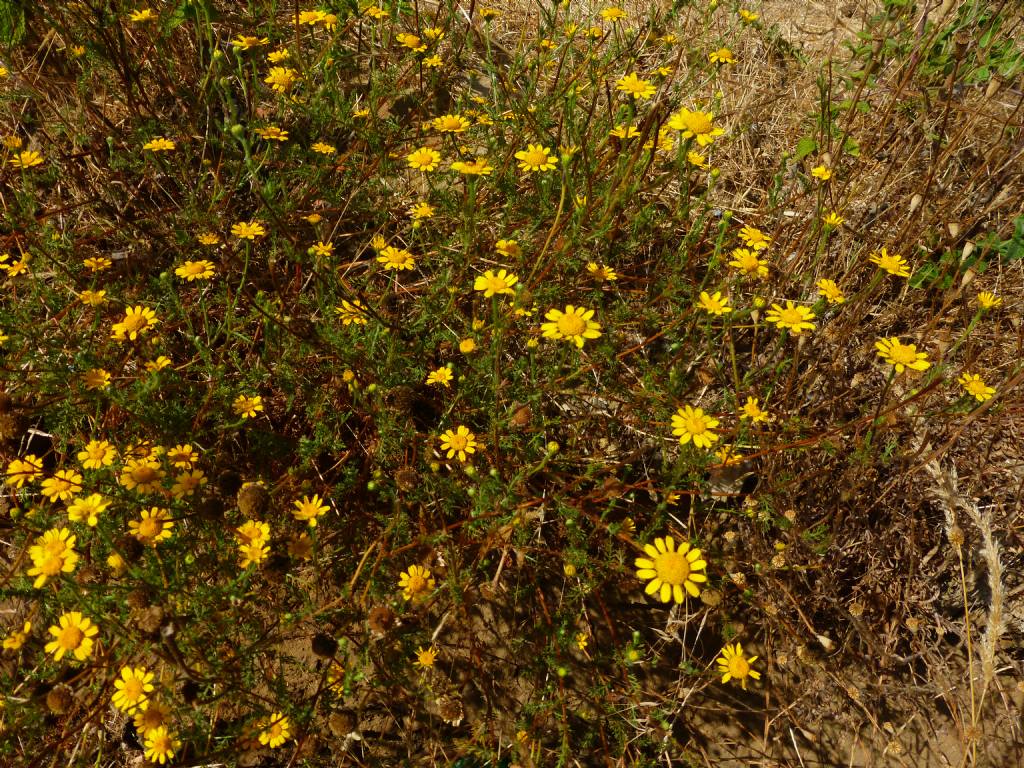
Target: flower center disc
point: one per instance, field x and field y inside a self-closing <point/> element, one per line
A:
<point x="695" y="426"/>
<point x="458" y="442"/>
<point x="698" y="123"/>
<point x="571" y="325"/>
<point x="71" y="637"/>
<point x="673" y="568"/>
<point x="902" y="354"/>
<point x="791" y="316"/>
<point x="738" y="667"/>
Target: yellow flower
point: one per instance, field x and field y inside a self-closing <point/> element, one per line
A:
<point x="672" y="573"/>
<point x="252" y="553"/>
<point x="458" y="442"/>
<point x="17" y="638"/>
<point x="138" y="320"/>
<point x="97" y="454"/>
<point x="161" y="362"/>
<point x="208" y="238"/>
<point x="426" y="657"/>
<point x="27" y="159"/>
<point x="416" y="582"/>
<point x="155" y="714"/>
<point x="97" y="263"/>
<point x="602" y="272"/>
<point x="311" y="18"/>
<point x="624" y="132"/>
<point x="351" y="312"/>
<point x="281" y="79"/>
<point x="421" y="210"/>
<point x="450" y="124"/>
<point x="72" y="634"/>
<point x="508" y="248"/>
<point x="396" y="258"/>
<point x="833" y="219"/>
<point x="133" y="687"/>
<point x="322" y="148"/>
<point x="188" y="482"/>
<point x="796" y="318"/>
<point x="752" y="411"/>
<point x="182" y="456"/>
<point x="424" y="159"/>
<point x="275" y="730"/>
<point x="51" y="555"/>
<point x="821" y="172"/>
<point x="974" y="385"/>
<point x="636" y="86"/>
<point x="492" y="284"/>
<point x="160" y="745"/>
<point x="727" y="454"/>
<point x="574" y="324"/>
<point x="64" y="484"/>
<point x="321" y="249"/>
<point x="582" y="640"/>
<point x="697" y="159"/>
<point x="92" y="298"/>
<point x="248" y="230"/>
<point x="901" y="355"/>
<point x="20" y="471"/>
<point x="466" y="346"/>
<point x="159" y="144"/>
<point x="613" y="14"/>
<point x="442" y="376"/>
<point x="478" y="167"/>
<point x="832" y="292"/>
<point x="245" y="42"/>
<point x="987" y="300"/>
<point x="309" y="509"/>
<point x="722" y="56"/>
<point x="412" y="42"/>
<point x="153" y="526"/>
<point x="894" y="264"/>
<point x="690" y="423"/>
<point x="754" y="238"/>
<point x="749" y="17"/>
<point x="87" y="509"/>
<point x="253" y="532"/>
<point x="96" y="378"/>
<point x="18" y="267"/>
<point x="696" y="125"/>
<point x="247" y="407"/>
<point x="195" y="270"/>
<point x="747" y="262"/>
<point x="536" y="157"/>
<point x="143" y="475"/>
<point x="142" y="14"/>
<point x="714" y="303"/>
<point x="272" y="133"/>
<point x="735" y="666"/>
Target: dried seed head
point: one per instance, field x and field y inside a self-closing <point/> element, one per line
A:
<point x="252" y="499"/>
<point x="324" y="646"/>
<point x="59" y="699"/>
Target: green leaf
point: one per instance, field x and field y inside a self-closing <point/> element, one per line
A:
<point x="12" y="22"/>
<point x="924" y="276"/>
<point x="805" y="146"/>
